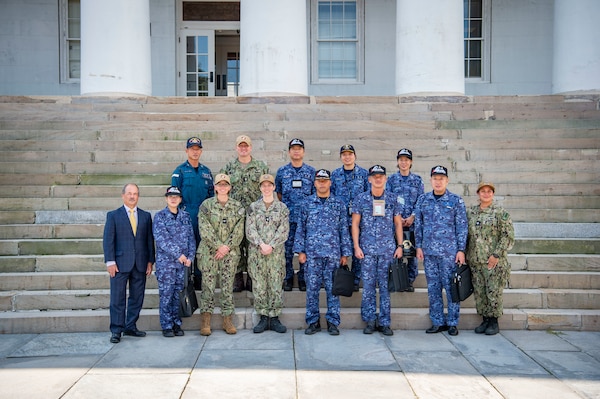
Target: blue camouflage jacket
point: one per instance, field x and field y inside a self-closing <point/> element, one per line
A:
<point x="287" y="177"/>
<point x="322" y="231"/>
<point x="347" y="186"/>
<point x="441" y="225"/>
<point x="408" y="188"/>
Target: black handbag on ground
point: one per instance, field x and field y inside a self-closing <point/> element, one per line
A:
<point x="398" y="276"/>
<point x="461" y="286"/>
<point x="188" y="302"/>
<point x="343" y="281"/>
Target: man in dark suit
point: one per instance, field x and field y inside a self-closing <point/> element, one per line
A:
<point x="129" y="254"/>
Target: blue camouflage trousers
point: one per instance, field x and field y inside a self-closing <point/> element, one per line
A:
<point x="289" y="256"/>
<point x="413" y="269"/>
<point x="319" y="271"/>
<point x="439" y="271"/>
<point x="375" y="272"/>
<point x="170" y="283"/>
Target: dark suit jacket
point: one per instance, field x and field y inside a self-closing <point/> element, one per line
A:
<point x="121" y="246"/>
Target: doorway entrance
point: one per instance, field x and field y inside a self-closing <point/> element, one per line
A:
<point x="208" y="48"/>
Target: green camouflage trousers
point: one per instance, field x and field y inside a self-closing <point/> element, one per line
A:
<point x="488" y="286"/>
<point x="217" y="270"/>
<point x="267" y="274"/>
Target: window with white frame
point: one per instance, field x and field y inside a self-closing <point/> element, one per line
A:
<point x="337" y="41"/>
<point x="70" y="41"/>
<point x="476" y="43"/>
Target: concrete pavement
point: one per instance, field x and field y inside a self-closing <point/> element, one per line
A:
<point x="409" y="364"/>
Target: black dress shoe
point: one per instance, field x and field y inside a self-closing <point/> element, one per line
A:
<point x="436" y="329"/>
<point x="134" y="333"/>
<point x="115" y="338"/>
<point x="386" y="330"/>
<point x="332" y="329"/>
<point x="410" y="288"/>
<point x="287" y="285"/>
<point x="177" y="330"/>
<point x="313" y="328"/>
<point x="453" y="330"/>
<point x="168" y="333"/>
<point x="302" y="285"/>
<point x="370" y="328"/>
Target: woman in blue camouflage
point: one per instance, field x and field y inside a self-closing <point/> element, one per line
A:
<point x="175" y="250"/>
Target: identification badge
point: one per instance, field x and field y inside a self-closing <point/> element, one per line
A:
<point x="378" y="207"/>
<point x="296" y="183"/>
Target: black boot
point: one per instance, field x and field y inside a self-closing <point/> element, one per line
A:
<point x="275" y="325"/>
<point x="492" y="328"/>
<point x="262" y="325"/>
<point x="483" y="326"/>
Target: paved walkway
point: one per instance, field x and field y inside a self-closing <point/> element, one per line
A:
<point x="410" y="364"/>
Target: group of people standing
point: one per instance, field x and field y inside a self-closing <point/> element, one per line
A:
<point x="247" y="222"/>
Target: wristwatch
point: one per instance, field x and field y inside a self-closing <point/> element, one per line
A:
<point x="496" y="256"/>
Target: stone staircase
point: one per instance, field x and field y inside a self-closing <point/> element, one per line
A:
<point x="63" y="161"/>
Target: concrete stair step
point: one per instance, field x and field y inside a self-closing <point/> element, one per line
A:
<point x="371" y="155"/>
<point x="556" y="246"/>
<point x="525" y="114"/>
<point x="92" y="246"/>
<point x="112" y="190"/>
<point x="556" y="262"/>
<point x="245" y="318"/>
<point x="554" y="280"/>
<point x="72" y="299"/>
<point x="547" y="123"/>
<point x="91" y="280"/>
<point x="584" y="263"/>
<point x="556" y="215"/>
<point x="510" y="106"/>
<point x="52" y="263"/>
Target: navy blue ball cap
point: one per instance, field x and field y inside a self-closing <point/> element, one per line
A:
<point x="173" y="190"/>
<point x="192" y="141"/>
<point x="439" y="170"/>
<point x="405" y="152"/>
<point x="323" y="174"/>
<point x="347" y="148"/>
<point x="296" y="142"/>
<point x="376" y="170"/>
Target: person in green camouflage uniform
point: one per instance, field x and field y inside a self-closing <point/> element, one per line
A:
<point x="267" y="229"/>
<point x="244" y="172"/>
<point x="221" y="222"/>
<point x="491" y="236"/>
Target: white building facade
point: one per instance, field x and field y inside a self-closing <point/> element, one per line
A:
<point x="299" y="47"/>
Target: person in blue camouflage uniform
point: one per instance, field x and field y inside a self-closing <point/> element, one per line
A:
<point x="175" y="250"/>
<point x="244" y="172"/>
<point x="409" y="188"/>
<point x="322" y="242"/>
<point x="441" y="240"/>
<point x="195" y="182"/>
<point x="267" y="228"/>
<point x="491" y="236"/>
<point x="376" y="227"/>
<point x="294" y="183"/>
<point x="347" y="182"/>
<point x="221" y="221"/>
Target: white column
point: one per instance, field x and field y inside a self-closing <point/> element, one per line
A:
<point x="115" y="47"/>
<point x="576" y="46"/>
<point x="429" y="47"/>
<point x="273" y="48"/>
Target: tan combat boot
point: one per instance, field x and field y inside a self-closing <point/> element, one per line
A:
<point x="205" y="323"/>
<point x="228" y="325"/>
